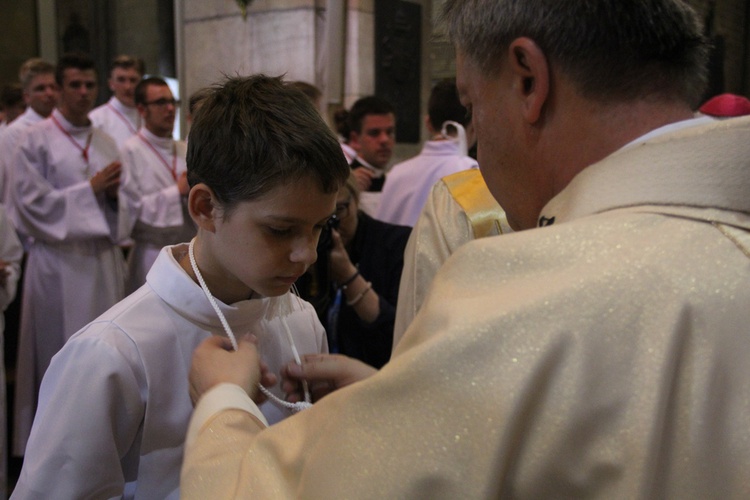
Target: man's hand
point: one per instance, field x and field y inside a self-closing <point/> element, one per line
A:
<point x="214" y="362"/>
<point x="107" y="180"/>
<point x="363" y="177"/>
<point x="324" y="373"/>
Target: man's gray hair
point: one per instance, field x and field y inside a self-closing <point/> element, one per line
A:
<point x="614" y="50"/>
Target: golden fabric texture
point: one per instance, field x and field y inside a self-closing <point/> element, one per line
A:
<point x="460" y="209"/>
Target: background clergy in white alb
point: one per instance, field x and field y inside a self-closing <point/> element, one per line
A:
<point x="64" y="190"/>
<point x="153" y="190"/>
<point x="119" y="116"/>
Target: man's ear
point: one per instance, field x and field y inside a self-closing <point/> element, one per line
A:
<point x="203" y="207"/>
<point x="354" y="140"/>
<point x="141" y="110"/>
<point x="532" y="76"/>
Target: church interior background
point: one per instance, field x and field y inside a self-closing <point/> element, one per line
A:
<point x="348" y="48"/>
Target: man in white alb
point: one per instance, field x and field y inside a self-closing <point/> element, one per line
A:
<point x="154" y="187"/>
<point x="119" y="117"/>
<point x="64" y="192"/>
<point x="372" y="133"/>
<point x="40" y="92"/>
<point x="410" y="181"/>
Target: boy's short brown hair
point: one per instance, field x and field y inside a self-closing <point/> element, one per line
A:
<point x="255" y="133"/>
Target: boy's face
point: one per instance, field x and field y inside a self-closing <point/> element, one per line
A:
<point x="79" y="89"/>
<point x="42" y="93"/>
<point x="265" y="244"/>
<point x="122" y="83"/>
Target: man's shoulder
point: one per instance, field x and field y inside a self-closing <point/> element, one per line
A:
<point x="99" y="111"/>
<point x="612" y="241"/>
<point x="132" y="143"/>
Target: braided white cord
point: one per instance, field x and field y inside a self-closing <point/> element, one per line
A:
<point x="295" y="407"/>
<point x="305" y="387"/>
<point x="210" y="297"/>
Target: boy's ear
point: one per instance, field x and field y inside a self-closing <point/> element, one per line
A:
<point x="202" y="206"/>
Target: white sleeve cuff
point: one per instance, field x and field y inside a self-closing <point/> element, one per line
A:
<point x="221" y="397"/>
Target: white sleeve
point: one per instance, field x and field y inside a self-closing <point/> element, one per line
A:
<point x="47" y="213"/>
<point x="89" y="416"/>
<point x="11" y="252"/>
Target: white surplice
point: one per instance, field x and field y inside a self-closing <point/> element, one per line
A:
<point x="603" y="356"/>
<point x="152" y="211"/>
<point x="120" y="122"/>
<point x="9" y="141"/>
<point x="11" y="253"/>
<point x="409" y="182"/>
<point x="114" y="405"/>
<point x="74" y="270"/>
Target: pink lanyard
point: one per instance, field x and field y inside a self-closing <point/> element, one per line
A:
<point x="122" y="117"/>
<point x="84" y="151"/>
<point x="173" y="168"/>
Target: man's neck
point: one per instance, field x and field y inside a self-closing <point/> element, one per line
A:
<point x="367" y="164"/>
<point x="75" y="119"/>
<point x="43" y="115"/>
<point x="118" y="102"/>
<point x="592" y="136"/>
<point x="162" y="134"/>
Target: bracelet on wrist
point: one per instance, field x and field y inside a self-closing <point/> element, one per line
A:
<point x="360" y="296"/>
<point x="349" y="280"/>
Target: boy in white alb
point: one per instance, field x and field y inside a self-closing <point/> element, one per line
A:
<point x="154" y="187"/>
<point x="114" y="407"/>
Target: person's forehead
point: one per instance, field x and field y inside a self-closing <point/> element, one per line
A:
<point x="71" y="74"/>
<point x="378" y="121"/>
<point x="42" y="79"/>
<point x="158" y="90"/>
<point x="125" y="72"/>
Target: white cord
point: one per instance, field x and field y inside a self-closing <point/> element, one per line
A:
<point x="459" y="137"/>
<point x="295" y="407"/>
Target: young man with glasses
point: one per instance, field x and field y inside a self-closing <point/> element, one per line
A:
<point x="154" y="188"/>
<point x="119" y="116"/>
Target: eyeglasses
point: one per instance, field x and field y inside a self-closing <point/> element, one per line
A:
<point x="163" y="102"/>
<point x="342" y="209"/>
